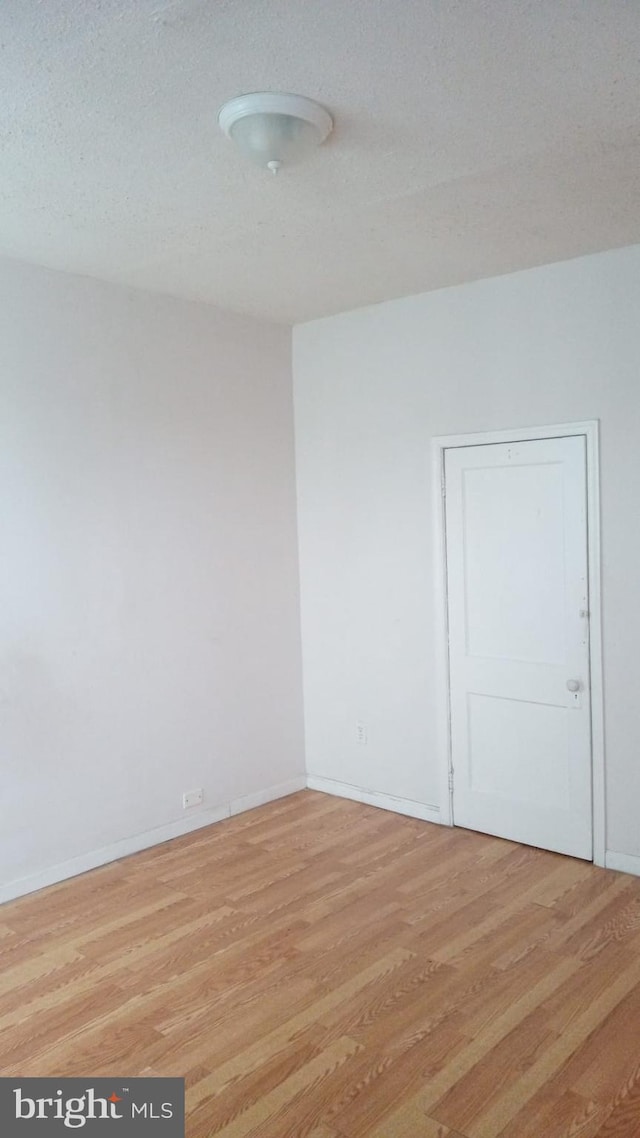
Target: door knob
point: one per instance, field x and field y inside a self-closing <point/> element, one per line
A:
<point x="573" y="685"/>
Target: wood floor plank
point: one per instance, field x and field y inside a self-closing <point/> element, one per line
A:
<point x="385" y="1072"/>
<point x="105" y="1048"/>
<point x="494" y="1120"/>
<point x="624" y="1117"/>
<point x="475" y="1092"/>
<point x="416" y="1124"/>
<point x="562" y="1115"/>
<point x="210" y="1042"/>
<point x="510" y="1017"/>
<point x="588" y="982"/>
<point x="317" y="968"/>
<point x="248" y="1090"/>
<point x="272" y="1108"/>
<point x="273" y="1040"/>
<point x="605" y="1060"/>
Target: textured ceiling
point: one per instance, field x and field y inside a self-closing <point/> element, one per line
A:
<point x="472" y="137"/>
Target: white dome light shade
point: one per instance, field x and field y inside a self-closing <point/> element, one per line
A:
<point x="275" y="130"/>
<point x="281" y="139"/>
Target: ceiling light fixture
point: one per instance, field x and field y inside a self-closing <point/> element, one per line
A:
<point x="275" y="129"/>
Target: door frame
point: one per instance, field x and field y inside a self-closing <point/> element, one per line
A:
<point x="439" y="445"/>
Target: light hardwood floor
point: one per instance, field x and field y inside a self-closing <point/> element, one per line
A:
<point x="318" y="967"/>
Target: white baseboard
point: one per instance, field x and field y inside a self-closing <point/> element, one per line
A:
<point x="116" y="850"/>
<point x="261" y="797"/>
<point x="407" y="806"/>
<point x="626" y="863"/>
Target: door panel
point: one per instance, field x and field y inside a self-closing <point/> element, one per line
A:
<point x="516" y="539"/>
<point x="513" y="526"/>
<point x="506" y="771"/>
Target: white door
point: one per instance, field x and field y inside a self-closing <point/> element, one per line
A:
<point x="517" y="595"/>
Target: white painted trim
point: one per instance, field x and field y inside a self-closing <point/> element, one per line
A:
<point x="126" y="846"/>
<point x="441" y="642"/>
<point x="592" y="434"/>
<point x="406" y="806"/>
<point x="516" y="435"/>
<point x="261" y="797"/>
<point x="590" y="430"/>
<point x="624" y="863"/>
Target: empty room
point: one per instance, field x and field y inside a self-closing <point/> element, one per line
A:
<point x="320" y="545"/>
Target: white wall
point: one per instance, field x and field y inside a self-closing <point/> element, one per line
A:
<point x="551" y="345"/>
<point x="149" y="625"/>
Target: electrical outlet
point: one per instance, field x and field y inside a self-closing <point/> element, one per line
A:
<point x="361" y="732"/>
<point x="192" y="798"/>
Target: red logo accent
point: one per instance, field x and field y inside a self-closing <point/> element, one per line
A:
<point x="114" y="1098"/>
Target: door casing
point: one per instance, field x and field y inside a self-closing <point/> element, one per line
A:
<point x="590" y="430"/>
